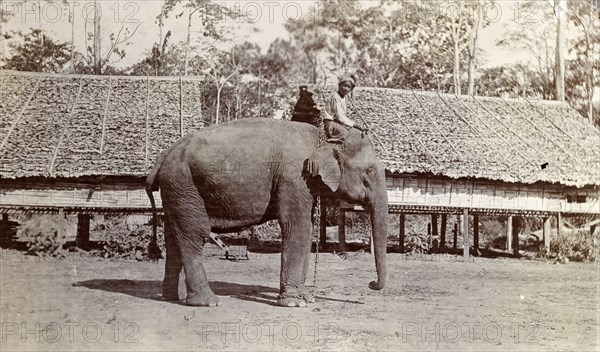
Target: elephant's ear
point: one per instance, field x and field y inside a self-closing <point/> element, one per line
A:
<point x="325" y="163"/>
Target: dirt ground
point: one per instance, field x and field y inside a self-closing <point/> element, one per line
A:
<point x="431" y="302"/>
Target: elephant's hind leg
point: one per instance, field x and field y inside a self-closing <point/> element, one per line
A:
<point x="173" y="264"/>
<point x="191" y="226"/>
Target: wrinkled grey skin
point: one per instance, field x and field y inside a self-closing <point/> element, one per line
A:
<point x="228" y="177"/>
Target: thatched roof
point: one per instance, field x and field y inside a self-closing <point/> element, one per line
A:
<point x="72" y="126"/>
<point x="484" y="138"/>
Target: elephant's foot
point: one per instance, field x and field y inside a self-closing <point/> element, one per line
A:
<point x="170" y="296"/>
<point x="295" y="297"/>
<point x="202" y="300"/>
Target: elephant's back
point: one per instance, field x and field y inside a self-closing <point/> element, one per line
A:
<point x="261" y="131"/>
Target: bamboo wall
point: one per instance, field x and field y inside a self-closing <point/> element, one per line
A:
<point x="492" y="195"/>
<point x="401" y="191"/>
<point x="77" y="195"/>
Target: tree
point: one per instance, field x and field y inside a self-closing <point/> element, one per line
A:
<point x="510" y="81"/>
<point x="210" y="13"/>
<point x="37" y="53"/>
<point x="95" y="61"/>
<point x="535" y="36"/>
<point x="560" y="10"/>
<point x="584" y="15"/>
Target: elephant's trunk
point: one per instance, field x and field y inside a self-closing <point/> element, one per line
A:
<point x="379" y="226"/>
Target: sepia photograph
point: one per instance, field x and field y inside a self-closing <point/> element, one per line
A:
<point x="305" y="175"/>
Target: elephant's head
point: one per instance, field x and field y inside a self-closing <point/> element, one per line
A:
<point x="353" y="172"/>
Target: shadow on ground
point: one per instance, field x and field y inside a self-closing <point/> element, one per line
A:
<point x="152" y="290"/>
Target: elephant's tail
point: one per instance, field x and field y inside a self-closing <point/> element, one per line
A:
<point x="154" y="251"/>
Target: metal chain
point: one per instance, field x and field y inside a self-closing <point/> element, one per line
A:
<point x="317" y="212"/>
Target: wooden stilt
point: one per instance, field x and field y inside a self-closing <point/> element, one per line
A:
<point x="323" y="225"/>
<point x="476" y="232"/>
<point x="509" y="230"/>
<point x="515" y="241"/>
<point x="401" y="234"/>
<point x="443" y="231"/>
<point x="455" y="235"/>
<point x="546" y="234"/>
<point x="341" y="220"/>
<point x="434" y="225"/>
<point x="559" y="224"/>
<point x="83" y="230"/>
<point x="466" y="241"/>
<point x="429" y="235"/>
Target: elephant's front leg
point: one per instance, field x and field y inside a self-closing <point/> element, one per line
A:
<point x="296" y="230"/>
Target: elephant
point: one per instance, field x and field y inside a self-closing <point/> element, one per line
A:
<point x="228" y="177"/>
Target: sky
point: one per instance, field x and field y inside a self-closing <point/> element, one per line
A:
<point x="268" y="16"/>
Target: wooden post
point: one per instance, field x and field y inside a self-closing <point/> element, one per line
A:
<point x="83" y="230"/>
<point x="559" y="224"/>
<point x="455" y="235"/>
<point x="476" y="232"/>
<point x="443" y="231"/>
<point x="4" y="217"/>
<point x="466" y="242"/>
<point x="147" y="122"/>
<point x="429" y="235"/>
<point x="509" y="231"/>
<point x="341" y="220"/>
<point x="515" y="241"/>
<point x="434" y="225"/>
<point x="401" y="234"/>
<point x="323" y="227"/>
<point x="546" y="234"/>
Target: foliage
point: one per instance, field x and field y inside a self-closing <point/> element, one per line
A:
<point x="37" y="53"/>
<point x="417" y="242"/>
<point x="577" y="246"/>
<point x="123" y="242"/>
<point x="490" y="229"/>
<point x="46" y="235"/>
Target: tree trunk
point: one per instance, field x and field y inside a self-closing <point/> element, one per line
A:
<point x="187" y="44"/>
<point x="590" y="78"/>
<point x="97" y="41"/>
<point x="72" y="16"/>
<point x="218" y="104"/>
<point x="456" y="72"/>
<point x="1" y="31"/>
<point x="560" y="49"/>
<point x="473" y="48"/>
